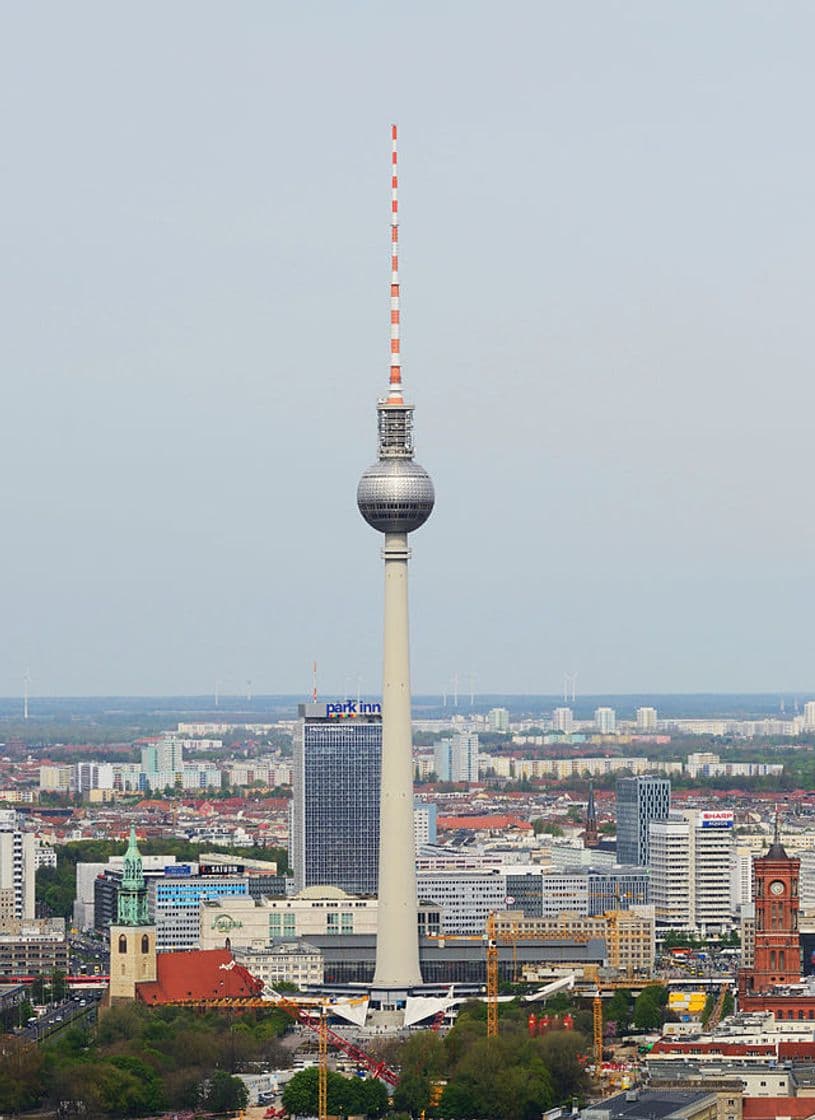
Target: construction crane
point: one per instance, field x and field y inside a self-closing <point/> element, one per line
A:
<point x="514" y="935"/>
<point x="322" y="1068"/>
<point x="492" y="978"/>
<point x="718" y="1007"/>
<point x="597" y="1023"/>
<point x="303" y="1016"/>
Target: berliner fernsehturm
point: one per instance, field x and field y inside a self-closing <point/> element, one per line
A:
<point x="395" y="496"/>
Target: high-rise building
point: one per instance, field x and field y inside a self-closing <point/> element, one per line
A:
<point x="690" y="857"/>
<point x="646" y="719"/>
<point x="741" y="879"/>
<point x="424" y="821"/>
<point x="18" y="868"/>
<point x="605" y="720"/>
<point x="640" y="800"/>
<point x="456" y="759"/>
<point x="563" y="720"/>
<point x="164" y="757"/>
<point x="498" y="720"/>
<point x="395" y="496"/>
<point x="809" y="716"/>
<point x="335" y="797"/>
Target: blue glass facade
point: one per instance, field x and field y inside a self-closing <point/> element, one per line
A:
<point x="335" y="809"/>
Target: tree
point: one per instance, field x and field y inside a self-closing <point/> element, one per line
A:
<point x="648" y="1008"/>
<point x="225" y="1093"/>
<point x="618" y="1010"/>
<point x="21" y="1065"/>
<point x="412" y="1094"/>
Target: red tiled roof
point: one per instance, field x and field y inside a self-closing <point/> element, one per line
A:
<point x="773" y="1108"/>
<point x="200" y="974"/>
<point x="477" y="824"/>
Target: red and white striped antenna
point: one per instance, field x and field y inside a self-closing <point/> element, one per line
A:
<point x="395" y="387"/>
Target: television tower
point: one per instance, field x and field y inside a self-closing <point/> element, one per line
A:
<point x="395" y="496"/>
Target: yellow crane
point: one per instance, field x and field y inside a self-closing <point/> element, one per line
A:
<point x="492" y="978"/>
<point x="597" y="1022"/>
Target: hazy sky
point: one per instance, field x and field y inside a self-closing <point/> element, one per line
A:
<point x="608" y="251"/>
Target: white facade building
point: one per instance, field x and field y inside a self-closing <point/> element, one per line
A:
<point x="809" y="716"/>
<point x="646" y="719"/>
<point x="806" y="880"/>
<point x="690" y="862"/>
<point x="563" y="720"/>
<point x="498" y="720"/>
<point x="605" y="720"/>
<point x="18" y="867"/>
<point x="741" y="879"/>
<point x="456" y="759"/>
<point x="465" y="898"/>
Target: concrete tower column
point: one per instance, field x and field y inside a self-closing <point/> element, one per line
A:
<point x="397" y="958"/>
<point x="395" y="496"/>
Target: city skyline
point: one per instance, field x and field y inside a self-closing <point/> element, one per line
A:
<point x="607" y="251"/>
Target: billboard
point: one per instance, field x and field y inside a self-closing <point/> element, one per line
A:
<point x="717" y="818"/>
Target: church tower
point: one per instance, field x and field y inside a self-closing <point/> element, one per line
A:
<point x="132" y="938"/>
<point x="591" y="835"/>
<point x="777" y="955"/>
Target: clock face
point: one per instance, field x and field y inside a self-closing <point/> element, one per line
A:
<point x="777" y="887"/>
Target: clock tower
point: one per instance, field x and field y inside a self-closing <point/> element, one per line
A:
<point x="777" y="957"/>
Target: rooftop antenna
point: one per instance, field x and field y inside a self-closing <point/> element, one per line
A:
<point x="395" y="380"/>
<point x="26" y="683"/>
<point x="314" y="682"/>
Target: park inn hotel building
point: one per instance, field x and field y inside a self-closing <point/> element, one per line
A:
<point x="334" y="824"/>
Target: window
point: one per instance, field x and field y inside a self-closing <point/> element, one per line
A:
<point x="122" y="943"/>
<point x="145" y="943"/>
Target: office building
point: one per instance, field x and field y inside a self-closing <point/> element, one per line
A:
<point x="287" y="962"/>
<point x="629" y="934"/>
<point x="335" y="798"/>
<point x="465" y="898"/>
<point x="498" y="720"/>
<point x="33" y="947"/>
<point x="690" y="862"/>
<point x="605" y="721"/>
<point x="315" y="913"/>
<point x="456" y="759"/>
<point x="640" y="801"/>
<point x="646" y="720"/>
<point x="174" y="902"/>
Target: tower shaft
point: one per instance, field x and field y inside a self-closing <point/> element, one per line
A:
<point x="397" y="942"/>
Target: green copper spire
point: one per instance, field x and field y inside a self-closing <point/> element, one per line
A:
<point x="132" y="908"/>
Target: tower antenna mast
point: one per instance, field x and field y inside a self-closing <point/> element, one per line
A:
<point x="395" y="496"/>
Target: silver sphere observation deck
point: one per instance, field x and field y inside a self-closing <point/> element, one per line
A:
<point x="395" y="495"/>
